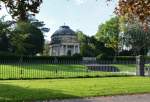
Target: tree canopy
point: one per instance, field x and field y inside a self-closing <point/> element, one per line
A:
<point x="108" y="33"/>
<point x="134" y="9"/>
<point x="4" y="33"/>
<point x="19" y="9"/>
<point x="91" y="47"/>
<point x="136" y="39"/>
<point x="27" y="39"/>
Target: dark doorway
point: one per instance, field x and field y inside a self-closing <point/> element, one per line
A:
<point x="69" y="53"/>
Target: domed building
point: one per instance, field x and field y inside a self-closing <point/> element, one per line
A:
<point x="64" y="42"/>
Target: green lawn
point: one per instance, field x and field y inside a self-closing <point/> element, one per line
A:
<point x="126" y="67"/>
<point x="12" y="71"/>
<point x="30" y="90"/>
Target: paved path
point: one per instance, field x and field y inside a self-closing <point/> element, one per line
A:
<point x="127" y="98"/>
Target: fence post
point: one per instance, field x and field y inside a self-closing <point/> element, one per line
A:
<point x="140" y="61"/>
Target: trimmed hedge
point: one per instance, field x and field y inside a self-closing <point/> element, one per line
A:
<point x="122" y="58"/>
<point x="118" y="58"/>
<point x="62" y="59"/>
<point x="39" y="59"/>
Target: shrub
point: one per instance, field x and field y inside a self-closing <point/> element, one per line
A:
<point x="39" y="59"/>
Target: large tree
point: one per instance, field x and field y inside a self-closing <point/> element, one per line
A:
<point x="138" y="9"/>
<point x="86" y="49"/>
<point x="4" y="33"/>
<point x="27" y="39"/>
<point x="134" y="9"/>
<point x="20" y="9"/>
<point x="108" y="33"/>
<point x="91" y="47"/>
<point x="136" y="39"/>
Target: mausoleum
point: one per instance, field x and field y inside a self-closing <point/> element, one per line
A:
<point x="64" y="42"/>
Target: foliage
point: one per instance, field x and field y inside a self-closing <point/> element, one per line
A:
<point x="17" y="40"/>
<point x="77" y="55"/>
<point x="15" y="58"/>
<point x="4" y="33"/>
<point x="126" y="53"/>
<point x="22" y="38"/>
<point x="134" y="9"/>
<point x="27" y="39"/>
<point x="19" y="9"/>
<point x="46" y="49"/>
<point x="91" y="47"/>
<point x="137" y="39"/>
<point x="38" y="24"/>
<point x="108" y="33"/>
<point x="85" y="48"/>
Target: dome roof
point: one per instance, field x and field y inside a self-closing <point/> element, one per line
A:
<point x="64" y="30"/>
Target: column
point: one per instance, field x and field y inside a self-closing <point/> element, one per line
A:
<point x="140" y="65"/>
<point x="78" y="48"/>
<point x="50" y="52"/>
<point x="62" y="50"/>
<point x="66" y="49"/>
<point x="74" y="46"/>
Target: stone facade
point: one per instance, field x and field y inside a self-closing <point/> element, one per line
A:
<point x="64" y="42"/>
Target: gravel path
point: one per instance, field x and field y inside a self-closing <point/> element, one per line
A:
<point x="127" y="98"/>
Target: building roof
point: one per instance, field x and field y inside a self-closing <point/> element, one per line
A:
<point x="63" y="30"/>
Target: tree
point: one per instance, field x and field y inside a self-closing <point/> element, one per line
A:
<point x="46" y="48"/>
<point x="136" y="39"/>
<point x="40" y="28"/>
<point x="86" y="49"/>
<point x="4" y="31"/>
<point x="38" y="24"/>
<point x="35" y="41"/>
<point x="134" y="9"/>
<point x="27" y="39"/>
<point x="20" y="9"/>
<point x="91" y="47"/>
<point x="108" y="33"/>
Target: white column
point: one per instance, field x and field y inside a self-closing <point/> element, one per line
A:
<point x="74" y="46"/>
<point x="66" y="50"/>
<point x="61" y="49"/>
<point x="50" y="52"/>
<point x="78" y="48"/>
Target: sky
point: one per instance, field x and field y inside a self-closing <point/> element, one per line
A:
<point x="84" y="15"/>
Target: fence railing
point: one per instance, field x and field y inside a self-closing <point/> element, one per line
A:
<point x="64" y="69"/>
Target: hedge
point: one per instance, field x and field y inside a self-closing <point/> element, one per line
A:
<point x="39" y="59"/>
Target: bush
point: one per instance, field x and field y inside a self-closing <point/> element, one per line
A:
<point x="104" y="56"/>
<point x="39" y="59"/>
<point x="77" y="55"/>
<point x="126" y="53"/>
<point x="126" y="58"/>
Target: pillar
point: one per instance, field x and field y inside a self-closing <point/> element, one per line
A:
<point x="140" y="65"/>
<point x="74" y="46"/>
<point x="66" y="50"/>
<point x="78" y="49"/>
<point x="62" y="50"/>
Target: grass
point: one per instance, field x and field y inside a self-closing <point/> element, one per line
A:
<point x="25" y="71"/>
<point x="32" y="90"/>
<point x="126" y="67"/>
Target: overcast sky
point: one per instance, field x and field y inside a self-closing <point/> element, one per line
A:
<point x="84" y="15"/>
